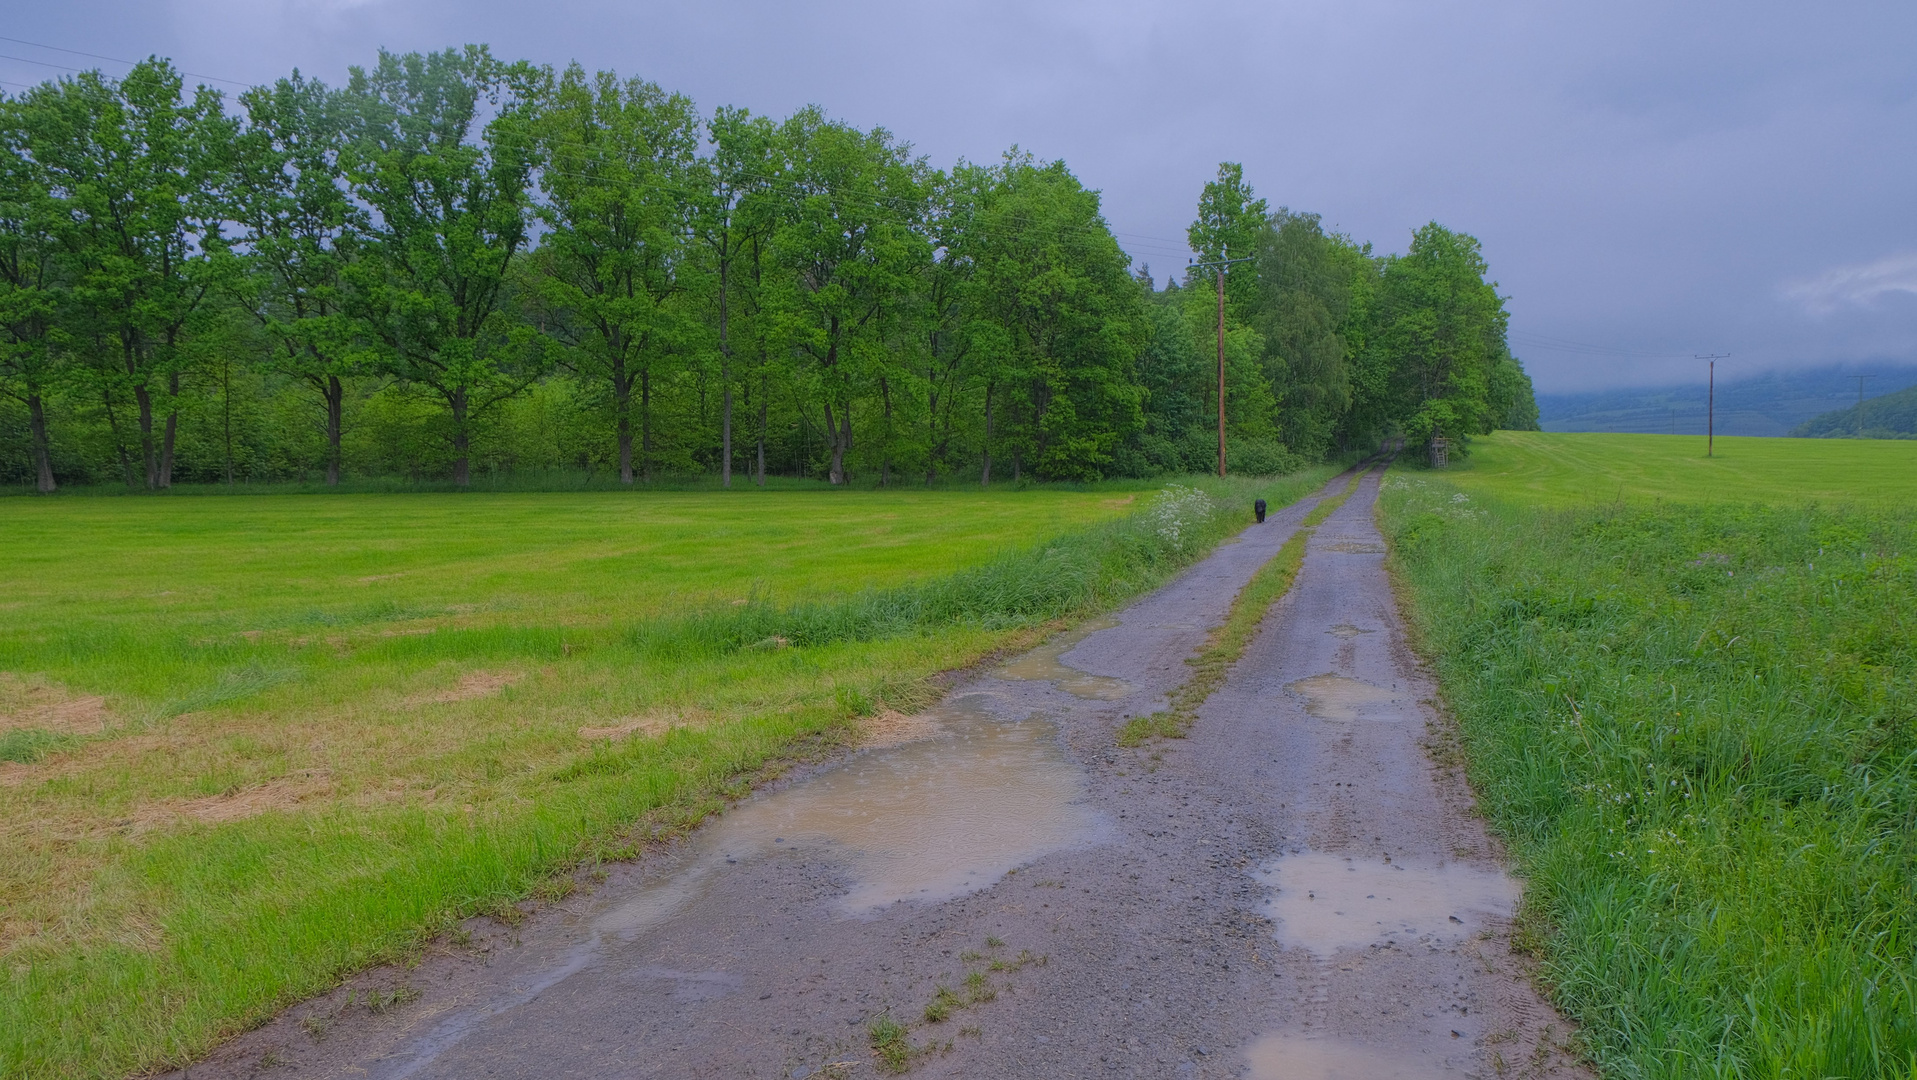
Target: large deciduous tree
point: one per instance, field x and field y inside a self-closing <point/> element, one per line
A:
<point x="143" y="175"/>
<point x="1072" y="320"/>
<point x="1441" y="330"/>
<point x="301" y="231"/>
<point x="618" y="175"/>
<point x="440" y="150"/>
<point x="32" y="286"/>
<point x="850" y="248"/>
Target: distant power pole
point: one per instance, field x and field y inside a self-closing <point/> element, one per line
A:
<point x="1860" y="402"/>
<point x="1710" y="408"/>
<point x="1221" y="265"/>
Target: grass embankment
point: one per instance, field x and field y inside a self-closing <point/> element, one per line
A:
<point x="1225" y="644"/>
<point x="1697" y="726"/>
<point x="1585" y="469"/>
<point x="257" y="743"/>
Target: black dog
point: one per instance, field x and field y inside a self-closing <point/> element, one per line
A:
<point x="1258" y="508"/>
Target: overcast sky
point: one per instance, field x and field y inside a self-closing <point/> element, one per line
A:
<point x="1650" y="181"/>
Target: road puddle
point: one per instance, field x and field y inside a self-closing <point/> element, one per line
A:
<point x="1043" y="665"/>
<point x="1346" y="630"/>
<point x="1350" y="546"/>
<point x="1329" y="902"/>
<point x="1294" y="1057"/>
<point x="1335" y="697"/>
<point x="926" y="820"/>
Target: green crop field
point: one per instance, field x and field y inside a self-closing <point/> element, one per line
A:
<point x="1583" y="469"/>
<point x="1692" y="711"/>
<point x="250" y="744"/>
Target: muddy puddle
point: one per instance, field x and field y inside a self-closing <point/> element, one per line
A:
<point x="926" y="820"/>
<point x="1335" y="697"/>
<point x="1325" y="902"/>
<point x="1043" y="665"/>
<point x="1294" y="1057"/>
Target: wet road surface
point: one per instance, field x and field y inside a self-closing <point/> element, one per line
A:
<point x="1294" y="892"/>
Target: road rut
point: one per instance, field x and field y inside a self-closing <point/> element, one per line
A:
<point x="1294" y="892"/>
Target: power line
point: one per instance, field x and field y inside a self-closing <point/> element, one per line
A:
<point x="114" y="59"/>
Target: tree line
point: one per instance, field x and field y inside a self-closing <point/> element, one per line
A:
<point x="455" y="262"/>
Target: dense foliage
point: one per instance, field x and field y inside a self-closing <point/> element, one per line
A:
<point x="457" y="263"/>
<point x="1698" y="727"/>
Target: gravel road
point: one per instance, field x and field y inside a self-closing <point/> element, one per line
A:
<point x="1294" y="892"/>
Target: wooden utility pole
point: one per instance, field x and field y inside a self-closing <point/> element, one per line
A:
<point x="1860" y="402"/>
<point x="1710" y="409"/>
<point x="1220" y="266"/>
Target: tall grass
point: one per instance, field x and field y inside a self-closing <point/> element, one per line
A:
<point x="1698" y="727"/>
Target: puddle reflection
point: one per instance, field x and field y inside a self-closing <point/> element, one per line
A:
<point x="1043" y="665"/>
<point x="926" y="820"/>
<point x="1335" y="697"/>
<point x="1292" y="1057"/>
<point x="1329" y="902"/>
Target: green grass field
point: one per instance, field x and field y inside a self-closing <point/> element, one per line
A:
<point x="1692" y="711"/>
<point x="1585" y="469"/>
<point x="251" y="744"/>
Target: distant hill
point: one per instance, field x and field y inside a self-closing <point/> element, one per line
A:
<point x="1888" y="416"/>
<point x="1772" y="404"/>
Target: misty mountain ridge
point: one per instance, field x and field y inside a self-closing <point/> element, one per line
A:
<point x="1887" y="416"/>
<point x="1774" y="403"/>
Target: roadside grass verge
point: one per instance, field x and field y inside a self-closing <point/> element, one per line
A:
<point x="284" y="739"/>
<point x="1697" y="727"/>
<point x="1227" y="643"/>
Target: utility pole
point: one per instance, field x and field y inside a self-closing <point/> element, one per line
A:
<point x="1220" y="265"/>
<point x="1710" y="413"/>
<point x="1860" y="402"/>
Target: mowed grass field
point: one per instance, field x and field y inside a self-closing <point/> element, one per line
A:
<point x="1692" y="709"/>
<point x="1581" y="469"/>
<point x="250" y="744"/>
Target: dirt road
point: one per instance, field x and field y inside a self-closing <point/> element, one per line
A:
<point x="1295" y="891"/>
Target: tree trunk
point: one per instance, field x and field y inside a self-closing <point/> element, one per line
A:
<point x="42" y="451"/>
<point x="885" y="453"/>
<point x="762" y="408"/>
<point x="645" y="423"/>
<point x="119" y="444"/>
<point x="622" y="407"/>
<point x="725" y="380"/>
<point x="147" y="454"/>
<point x="172" y="429"/>
<point x="335" y="412"/>
<point x="836" y="473"/>
<point x="226" y="414"/>
<point x="462" y="468"/>
<point x="985" y="478"/>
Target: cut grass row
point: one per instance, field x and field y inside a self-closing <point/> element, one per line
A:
<point x="1545" y="468"/>
<point x="1697" y="726"/>
<point x="335" y="726"/>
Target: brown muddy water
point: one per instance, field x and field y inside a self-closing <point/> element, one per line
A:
<point x="1336" y="697"/>
<point x="927" y="820"/>
<point x="1044" y="664"/>
<point x="1292" y="1057"/>
<point x="1327" y="902"/>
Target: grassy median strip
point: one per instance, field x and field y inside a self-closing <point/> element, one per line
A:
<point x="251" y="745"/>
<point x="1697" y="727"/>
<point x="1227" y="643"/>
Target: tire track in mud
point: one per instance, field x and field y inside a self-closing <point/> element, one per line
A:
<point x="1025" y="898"/>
